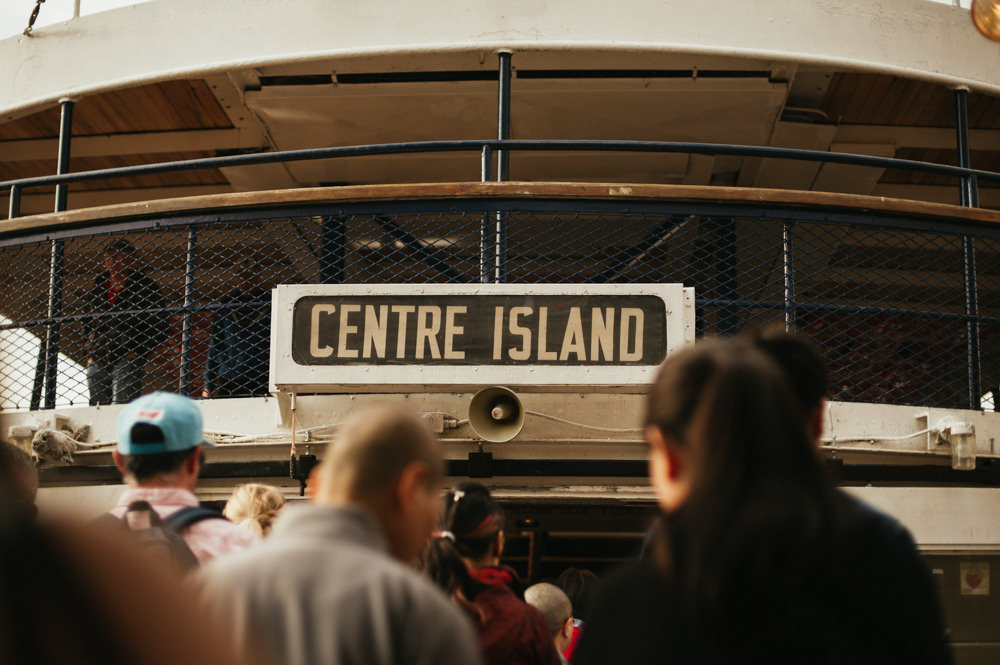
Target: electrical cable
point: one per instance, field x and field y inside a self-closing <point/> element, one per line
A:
<point x="834" y="440"/>
<point x="585" y="425"/>
<point x="885" y="451"/>
<point x="226" y="438"/>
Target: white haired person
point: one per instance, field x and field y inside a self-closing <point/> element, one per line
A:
<point x="557" y="609"/>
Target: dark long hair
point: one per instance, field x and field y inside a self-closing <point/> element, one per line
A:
<point x="47" y="613"/>
<point x="471" y="523"/>
<point x="578" y="584"/>
<point x="758" y="514"/>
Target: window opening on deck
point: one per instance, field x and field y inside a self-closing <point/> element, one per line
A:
<point x="18" y="349"/>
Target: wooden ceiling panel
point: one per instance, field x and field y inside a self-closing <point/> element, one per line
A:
<point x="166" y="106"/>
<point x="42" y="167"/>
<point x="881" y="99"/>
<point x="986" y="160"/>
<point x="44" y="124"/>
<point x="984" y="113"/>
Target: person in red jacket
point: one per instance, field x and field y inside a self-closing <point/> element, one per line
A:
<point x="128" y="324"/>
<point x="464" y="560"/>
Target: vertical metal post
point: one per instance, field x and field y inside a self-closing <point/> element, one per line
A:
<point x="39" y="382"/>
<point x="65" y="134"/>
<point x="187" y="329"/>
<point x="50" y="348"/>
<point x="969" y="197"/>
<point x="485" y="163"/>
<point x="15" y="202"/>
<point x="971" y="320"/>
<point x="969" y="194"/>
<point x="788" y="275"/>
<point x="503" y="166"/>
<point x="485" y="224"/>
<point x="726" y="275"/>
<point x="503" y="115"/>
<point x="333" y="242"/>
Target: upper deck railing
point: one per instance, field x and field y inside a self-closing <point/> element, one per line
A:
<point x="502" y="150"/>
<point x="889" y="289"/>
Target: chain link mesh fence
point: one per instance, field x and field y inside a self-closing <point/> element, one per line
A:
<point x="99" y="316"/>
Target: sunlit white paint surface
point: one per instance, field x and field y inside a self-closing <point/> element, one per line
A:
<point x="18" y="349"/>
<point x="14" y="15"/>
<point x="165" y="39"/>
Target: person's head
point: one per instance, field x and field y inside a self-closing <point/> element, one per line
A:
<point x="250" y="275"/>
<point x="18" y="472"/>
<point x="746" y="503"/>
<point x="746" y="506"/>
<point x="386" y="460"/>
<point x="722" y="423"/>
<point x="557" y="610"/>
<point x="471" y="536"/>
<point x="160" y="441"/>
<point x="254" y="506"/>
<point x="804" y="368"/>
<point x="474" y="522"/>
<point x="578" y="584"/>
<point x="119" y="257"/>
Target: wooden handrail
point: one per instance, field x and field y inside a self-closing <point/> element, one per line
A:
<point x="479" y="190"/>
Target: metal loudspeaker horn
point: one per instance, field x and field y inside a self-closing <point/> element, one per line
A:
<point x="496" y="414"/>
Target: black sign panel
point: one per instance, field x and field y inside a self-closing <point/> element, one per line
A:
<point x="589" y="330"/>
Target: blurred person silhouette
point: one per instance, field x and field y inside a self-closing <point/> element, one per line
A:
<point x="120" y="342"/>
<point x="332" y="582"/>
<point x="254" y="506"/>
<point x="240" y="345"/>
<point x="464" y="560"/>
<point x="19" y="473"/>
<point x="160" y="454"/>
<point x="555" y="606"/>
<point x="805" y="371"/>
<point x="84" y="594"/>
<point x="578" y="584"/>
<point x="757" y="557"/>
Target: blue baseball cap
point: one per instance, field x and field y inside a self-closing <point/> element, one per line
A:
<point x="174" y="420"/>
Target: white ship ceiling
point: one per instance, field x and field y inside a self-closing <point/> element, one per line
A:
<point x="585" y="74"/>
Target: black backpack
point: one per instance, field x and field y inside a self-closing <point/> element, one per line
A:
<point x="162" y="538"/>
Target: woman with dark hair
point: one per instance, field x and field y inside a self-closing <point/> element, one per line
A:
<point x="464" y="560"/>
<point x="753" y="558"/>
<point x="578" y="584"/>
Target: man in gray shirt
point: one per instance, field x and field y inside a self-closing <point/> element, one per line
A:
<point x="330" y="584"/>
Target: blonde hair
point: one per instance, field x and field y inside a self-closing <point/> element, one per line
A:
<point x="254" y="506"/>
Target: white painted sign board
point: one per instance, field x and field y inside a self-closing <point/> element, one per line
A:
<point x="402" y="338"/>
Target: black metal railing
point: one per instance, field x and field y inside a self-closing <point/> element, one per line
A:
<point x="486" y="149"/>
<point x="884" y="294"/>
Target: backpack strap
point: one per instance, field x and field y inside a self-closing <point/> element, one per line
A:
<point x="161" y="538"/>
<point x="185" y="517"/>
<point x="142" y="507"/>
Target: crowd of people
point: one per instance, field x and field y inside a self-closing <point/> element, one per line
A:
<point x="754" y="556"/>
